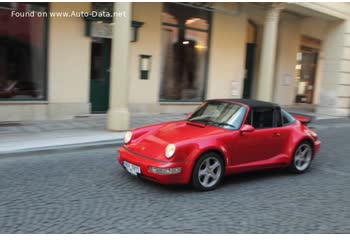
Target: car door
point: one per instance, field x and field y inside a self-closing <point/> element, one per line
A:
<point x="284" y="127"/>
<point x="263" y="143"/>
<point x="280" y="134"/>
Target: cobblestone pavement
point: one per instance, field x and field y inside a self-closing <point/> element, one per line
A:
<point x="87" y="192"/>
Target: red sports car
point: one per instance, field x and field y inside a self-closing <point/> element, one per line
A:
<point x="222" y="137"/>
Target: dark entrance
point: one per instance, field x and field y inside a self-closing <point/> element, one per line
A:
<point x="249" y="68"/>
<point x="99" y="77"/>
<point x="249" y="59"/>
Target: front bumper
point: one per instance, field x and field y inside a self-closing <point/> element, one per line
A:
<point x="144" y="163"/>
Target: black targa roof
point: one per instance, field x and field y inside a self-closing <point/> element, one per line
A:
<point x="253" y="103"/>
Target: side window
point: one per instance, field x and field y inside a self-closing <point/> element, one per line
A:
<point x="278" y="117"/>
<point x="262" y="118"/>
<point x="287" y="118"/>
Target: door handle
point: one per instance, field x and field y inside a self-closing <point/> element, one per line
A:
<point x="276" y="134"/>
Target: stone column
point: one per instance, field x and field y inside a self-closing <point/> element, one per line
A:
<point x="118" y="112"/>
<point x="335" y="72"/>
<point x="268" y="53"/>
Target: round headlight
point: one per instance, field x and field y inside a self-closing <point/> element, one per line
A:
<point x="170" y="150"/>
<point x="127" y="137"/>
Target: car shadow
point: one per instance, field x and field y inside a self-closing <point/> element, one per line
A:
<point x="176" y="188"/>
<point x="247" y="177"/>
<point x="235" y="179"/>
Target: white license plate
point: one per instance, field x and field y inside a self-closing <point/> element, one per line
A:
<point x="131" y="168"/>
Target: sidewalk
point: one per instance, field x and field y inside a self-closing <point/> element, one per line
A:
<point x="87" y="131"/>
<point x="79" y="132"/>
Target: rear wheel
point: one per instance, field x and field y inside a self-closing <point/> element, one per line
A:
<point x="302" y="158"/>
<point x="208" y="172"/>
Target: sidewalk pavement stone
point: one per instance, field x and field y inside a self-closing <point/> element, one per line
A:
<point x="99" y="122"/>
<point x="78" y="132"/>
<point x="83" y="123"/>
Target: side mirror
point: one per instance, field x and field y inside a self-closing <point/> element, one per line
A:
<point x="246" y="128"/>
<point x="188" y="115"/>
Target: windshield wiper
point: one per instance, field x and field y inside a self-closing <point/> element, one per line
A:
<point x="226" y="124"/>
<point x="205" y="121"/>
<point x="211" y="122"/>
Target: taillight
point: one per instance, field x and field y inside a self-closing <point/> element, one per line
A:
<point x="311" y="133"/>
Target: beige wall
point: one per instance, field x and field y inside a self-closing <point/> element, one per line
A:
<point x="69" y="62"/>
<point x="255" y="12"/>
<point x="22" y="111"/>
<point x="330" y="10"/>
<point x="227" y="56"/>
<point x="313" y="27"/>
<point x="144" y="94"/>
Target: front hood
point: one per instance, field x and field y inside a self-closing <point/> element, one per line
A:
<point x="152" y="144"/>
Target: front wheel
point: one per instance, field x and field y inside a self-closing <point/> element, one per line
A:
<point x="302" y="158"/>
<point x="208" y="172"/>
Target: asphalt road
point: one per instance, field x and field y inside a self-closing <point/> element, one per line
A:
<point x="86" y="191"/>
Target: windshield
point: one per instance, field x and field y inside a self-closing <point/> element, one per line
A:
<point x="220" y="114"/>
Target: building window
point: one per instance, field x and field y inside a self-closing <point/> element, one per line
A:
<point x="102" y="7"/>
<point x="306" y="69"/>
<point x="185" y="37"/>
<point x="22" y="52"/>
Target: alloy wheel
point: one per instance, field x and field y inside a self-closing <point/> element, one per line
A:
<point x="209" y="172"/>
<point x="302" y="157"/>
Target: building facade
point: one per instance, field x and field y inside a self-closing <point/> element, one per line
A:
<point x="169" y="57"/>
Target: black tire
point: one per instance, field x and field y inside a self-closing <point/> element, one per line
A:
<point x="293" y="166"/>
<point x="210" y="156"/>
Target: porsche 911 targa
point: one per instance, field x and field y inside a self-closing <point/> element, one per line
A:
<point x="222" y="137"/>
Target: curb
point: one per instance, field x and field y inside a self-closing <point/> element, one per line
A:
<point x="61" y="148"/>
